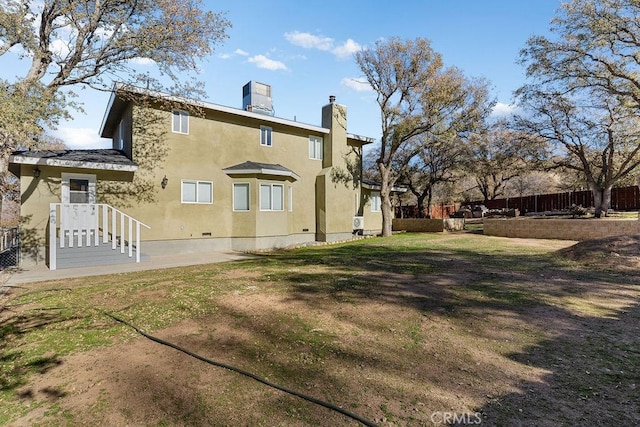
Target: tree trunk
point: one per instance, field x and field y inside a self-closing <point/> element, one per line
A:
<point x="601" y="199"/>
<point x="420" y="203"/>
<point x="385" y="200"/>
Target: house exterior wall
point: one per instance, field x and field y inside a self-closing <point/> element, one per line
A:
<point x="316" y="204"/>
<point x="219" y="140"/>
<point x="36" y="196"/>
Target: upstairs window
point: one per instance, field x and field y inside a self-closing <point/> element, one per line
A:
<point x="119" y="145"/>
<point x="265" y="136"/>
<point x="180" y="122"/>
<point x="315" y="147"/>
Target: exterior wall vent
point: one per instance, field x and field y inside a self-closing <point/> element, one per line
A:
<point x="256" y="97"/>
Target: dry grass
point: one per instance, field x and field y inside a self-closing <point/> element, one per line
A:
<point x="412" y="330"/>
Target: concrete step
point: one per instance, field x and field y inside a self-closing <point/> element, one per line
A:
<point x="86" y="256"/>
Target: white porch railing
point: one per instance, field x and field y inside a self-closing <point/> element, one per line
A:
<point x="83" y="224"/>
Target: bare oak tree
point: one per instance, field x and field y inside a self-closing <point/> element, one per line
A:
<point x="585" y="88"/>
<point x="596" y="46"/>
<point x="417" y="95"/>
<point x="600" y="139"/>
<point x="71" y="44"/>
<point x="498" y="155"/>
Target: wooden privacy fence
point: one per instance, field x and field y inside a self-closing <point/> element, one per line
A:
<point x="622" y="199"/>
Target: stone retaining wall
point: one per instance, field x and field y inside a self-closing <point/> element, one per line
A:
<point x="562" y="229"/>
<point x="425" y="225"/>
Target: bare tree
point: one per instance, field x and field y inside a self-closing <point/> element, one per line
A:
<point x="71" y="44"/>
<point x="600" y="139"/>
<point x="596" y="48"/>
<point x="584" y="90"/>
<point x="416" y="95"/>
<point x="439" y="163"/>
<point x="498" y="155"/>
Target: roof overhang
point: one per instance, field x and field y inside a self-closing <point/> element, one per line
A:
<point x="362" y="140"/>
<point x="72" y="159"/>
<point x="117" y="104"/>
<point x="378" y="187"/>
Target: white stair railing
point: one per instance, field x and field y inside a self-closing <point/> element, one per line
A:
<point x="78" y="225"/>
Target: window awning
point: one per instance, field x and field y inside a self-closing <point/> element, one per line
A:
<point x="255" y="168"/>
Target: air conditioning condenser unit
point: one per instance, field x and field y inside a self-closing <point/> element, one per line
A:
<point x="358" y="223"/>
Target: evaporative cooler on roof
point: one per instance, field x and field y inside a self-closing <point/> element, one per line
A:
<point x="256" y="97"/>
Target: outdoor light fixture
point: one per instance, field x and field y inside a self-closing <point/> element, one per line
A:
<point x="164" y="182"/>
<point x="36" y="173"/>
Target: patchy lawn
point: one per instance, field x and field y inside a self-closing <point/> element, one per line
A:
<point x="417" y="329"/>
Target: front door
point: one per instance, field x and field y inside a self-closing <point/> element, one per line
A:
<point x="78" y="213"/>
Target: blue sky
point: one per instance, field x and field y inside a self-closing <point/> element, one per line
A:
<point x="304" y="51"/>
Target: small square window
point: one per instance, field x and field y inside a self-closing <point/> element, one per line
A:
<point x="265" y="136"/>
<point x="78" y="190"/>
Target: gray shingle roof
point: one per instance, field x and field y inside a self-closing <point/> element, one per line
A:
<point x="108" y="156"/>
<point x="251" y="168"/>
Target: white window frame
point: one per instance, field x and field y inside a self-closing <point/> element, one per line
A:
<point x="198" y="198"/>
<point x="233" y="202"/>
<point x="180" y="115"/>
<point x="266" y="136"/>
<point x="316" y="145"/>
<point x="120" y="137"/>
<point x="290" y="198"/>
<point x="376" y="202"/>
<point x="271" y="207"/>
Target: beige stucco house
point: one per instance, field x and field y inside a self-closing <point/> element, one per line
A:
<point x="189" y="176"/>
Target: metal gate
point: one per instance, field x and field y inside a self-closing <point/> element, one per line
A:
<point x="9" y="247"/>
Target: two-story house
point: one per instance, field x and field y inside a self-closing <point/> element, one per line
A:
<point x="189" y="176"/>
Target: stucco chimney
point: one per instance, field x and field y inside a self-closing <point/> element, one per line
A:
<point x="332" y="99"/>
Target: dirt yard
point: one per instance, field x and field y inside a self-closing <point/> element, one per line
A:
<point x="460" y="329"/>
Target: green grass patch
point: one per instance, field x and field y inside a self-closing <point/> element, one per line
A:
<point x="393" y="315"/>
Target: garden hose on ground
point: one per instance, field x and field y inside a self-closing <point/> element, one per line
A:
<point x="245" y="373"/>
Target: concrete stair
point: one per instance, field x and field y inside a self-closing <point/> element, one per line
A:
<point x="87" y="256"/>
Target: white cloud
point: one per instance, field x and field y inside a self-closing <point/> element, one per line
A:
<point x="60" y="48"/>
<point x="309" y="41"/>
<point x="79" y="138"/>
<point x="347" y="49"/>
<point x="237" y="52"/>
<point x="502" y="109"/>
<point x="143" y="61"/>
<point x="356" y="83"/>
<point x="262" y="61"/>
<point x="327" y="44"/>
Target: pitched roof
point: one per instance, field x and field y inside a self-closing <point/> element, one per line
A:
<point x="256" y="168"/>
<point x="117" y="104"/>
<point x="102" y="159"/>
